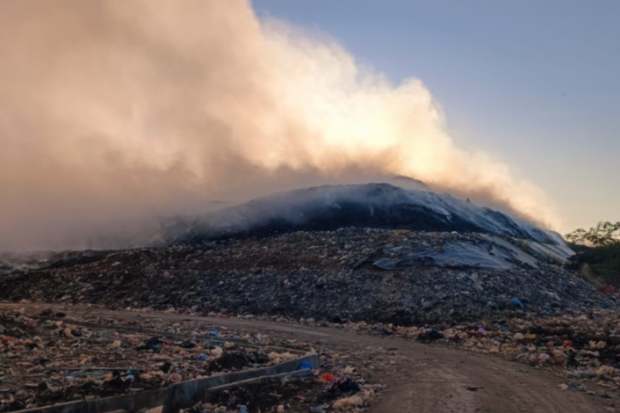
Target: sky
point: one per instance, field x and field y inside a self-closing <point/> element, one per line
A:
<point x="535" y="83"/>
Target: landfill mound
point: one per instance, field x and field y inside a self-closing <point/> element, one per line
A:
<point x="378" y="205"/>
<point x="409" y="205"/>
<point x="351" y="274"/>
<point x="11" y="262"/>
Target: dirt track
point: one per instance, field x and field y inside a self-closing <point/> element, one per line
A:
<point x="421" y="378"/>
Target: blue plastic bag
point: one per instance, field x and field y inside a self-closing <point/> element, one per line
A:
<point x="305" y="365"/>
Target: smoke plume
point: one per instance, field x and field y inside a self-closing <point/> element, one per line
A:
<point x="114" y="114"/>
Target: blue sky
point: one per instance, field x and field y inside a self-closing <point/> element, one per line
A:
<point x="535" y="83"/>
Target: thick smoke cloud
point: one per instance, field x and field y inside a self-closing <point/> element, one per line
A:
<point x="114" y="114"/>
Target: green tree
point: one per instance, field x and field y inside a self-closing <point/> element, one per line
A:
<point x="603" y="234"/>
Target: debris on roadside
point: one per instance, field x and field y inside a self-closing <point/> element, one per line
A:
<point x="45" y="361"/>
<point x="582" y="347"/>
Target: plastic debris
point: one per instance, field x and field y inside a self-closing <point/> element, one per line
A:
<point x="328" y="377"/>
<point x="518" y="303"/>
<point x="306" y="366"/>
<point x="584" y="374"/>
<point x="346" y="386"/>
<point x="153" y="343"/>
<point x="353" y="401"/>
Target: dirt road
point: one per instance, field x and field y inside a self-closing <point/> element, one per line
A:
<point x="419" y="378"/>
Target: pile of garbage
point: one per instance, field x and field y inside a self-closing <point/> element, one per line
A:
<point x="352" y="274"/>
<point x="404" y="204"/>
<point x="47" y="359"/>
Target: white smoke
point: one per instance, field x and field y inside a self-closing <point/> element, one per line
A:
<point x="116" y="113"/>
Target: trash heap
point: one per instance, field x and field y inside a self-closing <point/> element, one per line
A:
<point x="351" y="274"/>
<point x="46" y="359"/>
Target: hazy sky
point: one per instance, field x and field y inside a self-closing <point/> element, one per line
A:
<point x="533" y="82"/>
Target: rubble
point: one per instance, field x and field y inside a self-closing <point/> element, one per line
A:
<point x="350" y="274"/>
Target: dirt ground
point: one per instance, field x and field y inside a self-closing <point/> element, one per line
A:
<point x="418" y="377"/>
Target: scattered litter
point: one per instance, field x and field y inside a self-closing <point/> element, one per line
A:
<point x="306" y="366"/>
<point x="328" y="377"/>
<point x="518" y="303"/>
<point x="346" y="386"/>
<point x="45" y="361"/>
<point x="353" y="401"/>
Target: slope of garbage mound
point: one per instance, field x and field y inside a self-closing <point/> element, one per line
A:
<point x="11" y="262"/>
<point x="375" y="275"/>
<point x="379" y="205"/>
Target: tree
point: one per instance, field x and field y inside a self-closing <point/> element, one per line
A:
<point x="604" y="233"/>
